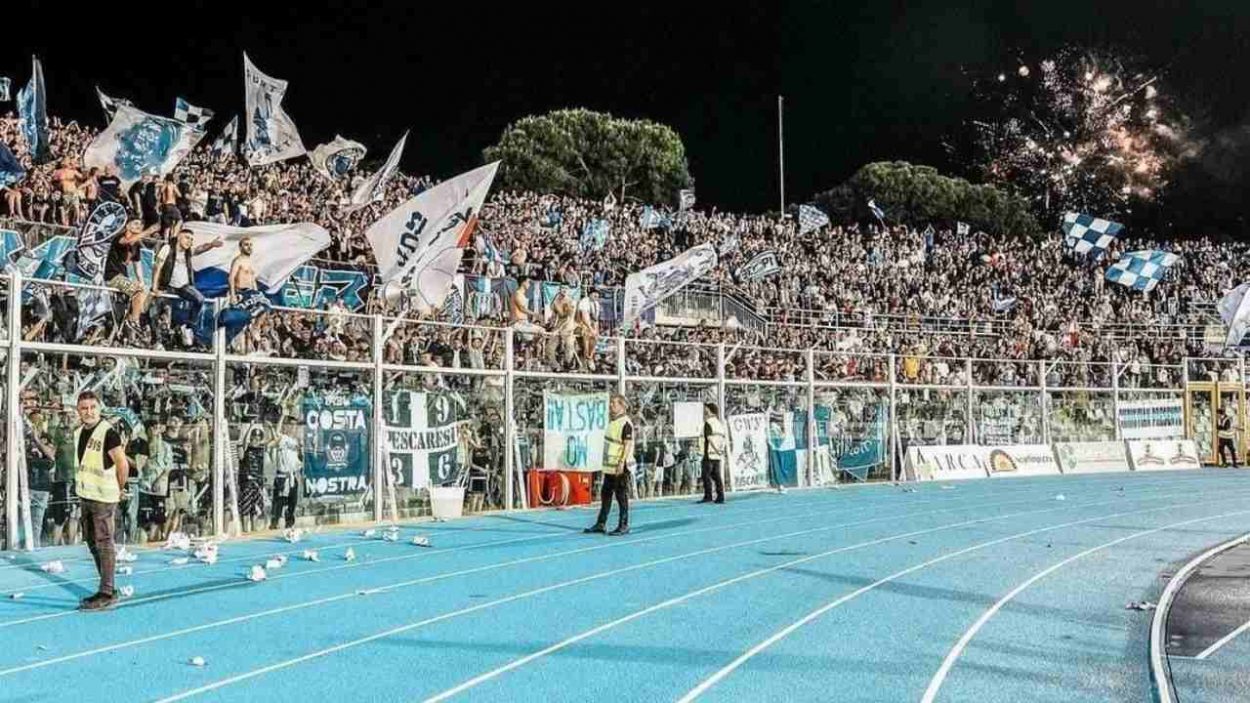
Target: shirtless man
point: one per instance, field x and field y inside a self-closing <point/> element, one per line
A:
<point x="242" y="275"/>
<point x="588" y="325"/>
<point x="522" y="317"/>
<point x="564" y="349"/>
<point x="167" y="195"/>
<point x="68" y="179"/>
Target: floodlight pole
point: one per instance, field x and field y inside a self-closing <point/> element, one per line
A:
<point x="781" y="155"/>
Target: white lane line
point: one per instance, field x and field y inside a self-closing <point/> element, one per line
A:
<point x="480" y="569"/>
<point x="935" y="683"/>
<point x="551" y="536"/>
<point x="585" y="579"/>
<point x="732" y="666"/>
<point x="1222" y="641"/>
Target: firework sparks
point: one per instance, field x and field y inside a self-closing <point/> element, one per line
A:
<point x="1082" y="131"/>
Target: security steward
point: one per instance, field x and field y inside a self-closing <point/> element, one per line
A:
<point x="1228" y="437"/>
<point x="715" y="441"/>
<point x="618" y="457"/>
<point x="101" y="473"/>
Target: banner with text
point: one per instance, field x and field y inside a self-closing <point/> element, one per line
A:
<point x="336" y="445"/>
<point x="1091" y="457"/>
<point x="748" y="451"/>
<point x="422" y="438"/>
<point x="1155" y="418"/>
<point x="573" y="431"/>
<point x="1163" y="455"/>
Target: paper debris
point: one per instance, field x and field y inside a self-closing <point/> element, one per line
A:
<point x="421" y="541"/>
<point x="948" y="488"/>
<point x="177" y="540"/>
<point x="54" y="567"/>
<point x="126" y="591"/>
<point x="349" y="555"/>
<point x="293" y="535"/>
<point x="311" y="555"/>
<point x="125" y="570"/>
<point x="16" y="596"/>
<point x="180" y="561"/>
<point x="124" y="555"/>
<point x="1061" y="497"/>
<point x="369" y="533"/>
<point x="257" y="574"/>
<point x="1143" y="605"/>
<point x="197" y="661"/>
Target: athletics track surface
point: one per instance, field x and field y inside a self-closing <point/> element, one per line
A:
<point x="990" y="590"/>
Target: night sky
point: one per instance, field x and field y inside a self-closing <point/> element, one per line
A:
<point x="862" y="81"/>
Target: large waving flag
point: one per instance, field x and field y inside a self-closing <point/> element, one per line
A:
<point x="1142" y="269"/>
<point x="6" y="85"/>
<point x="337" y="157"/>
<point x="278" y="250"/>
<point x="137" y="143"/>
<point x="228" y="141"/>
<point x="423" y="239"/>
<point x="811" y="218"/>
<point x="373" y="188"/>
<point x="32" y="108"/>
<point x="271" y="134"/>
<point x="648" y="287"/>
<point x="194" y="116"/>
<point x="1234" y="310"/>
<point x="652" y="218"/>
<point x="1085" y="233"/>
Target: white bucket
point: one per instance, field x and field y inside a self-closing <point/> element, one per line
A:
<point x="447" y="502"/>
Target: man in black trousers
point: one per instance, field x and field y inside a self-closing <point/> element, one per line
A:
<point x="618" y="457"/>
<point x="715" y="446"/>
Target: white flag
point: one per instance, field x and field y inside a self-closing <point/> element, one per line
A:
<point x="1235" y="311"/>
<point x="271" y="135"/>
<point x="138" y="143"/>
<point x="373" y="188"/>
<point x="337" y="157"/>
<point x="277" y="251"/>
<point x="110" y="104"/>
<point x="648" y="287"/>
<point x="425" y="237"/>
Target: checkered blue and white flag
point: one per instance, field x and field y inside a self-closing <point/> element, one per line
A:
<point x="6" y="87"/>
<point x="1085" y="233"/>
<point x="810" y="218"/>
<point x="194" y="116"/>
<point x="228" y="141"/>
<point x="1142" y="269"/>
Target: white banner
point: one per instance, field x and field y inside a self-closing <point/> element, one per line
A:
<point x="337" y="157"/>
<point x="373" y="188"/>
<point x="421" y="439"/>
<point x="1155" y="418"/>
<point x="748" y="451"/>
<point x="271" y="134"/>
<point x="137" y="143"/>
<point x="646" y="288"/>
<point x="277" y="251"/>
<point x="1091" y="457"/>
<point x="425" y="237"/>
<point x="1022" y="460"/>
<point x="573" y="431"/>
<point x="1164" y="455"/>
<point x="948" y="463"/>
<point x="687" y="420"/>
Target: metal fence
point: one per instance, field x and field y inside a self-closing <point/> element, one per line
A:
<point x="212" y="417"/>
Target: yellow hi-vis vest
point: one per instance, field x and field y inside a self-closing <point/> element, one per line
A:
<point x="615" y="446"/>
<point x="717" y="440"/>
<point x="94" y="483"/>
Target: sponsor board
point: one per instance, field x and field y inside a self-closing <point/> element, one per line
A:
<point x="1163" y="455"/>
<point x="1091" y="457"/>
<point x="948" y="463"/>
<point x="1156" y="418"/>
<point x="1022" y="460"/>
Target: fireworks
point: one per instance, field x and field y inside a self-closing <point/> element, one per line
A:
<point x="1078" y="130"/>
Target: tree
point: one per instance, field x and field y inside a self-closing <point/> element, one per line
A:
<point x="916" y="193"/>
<point x="591" y="154"/>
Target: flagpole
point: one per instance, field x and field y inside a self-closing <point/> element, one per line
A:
<point x="781" y="154"/>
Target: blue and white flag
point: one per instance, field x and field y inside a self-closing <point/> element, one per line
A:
<point x="95" y="237"/>
<point x="1142" y="269"/>
<point x="109" y="104"/>
<point x="11" y="170"/>
<point x="685" y="199"/>
<point x="1086" y="233"/>
<point x="137" y="143"/>
<point x="6" y="87"/>
<point x="811" y="218"/>
<point x="1004" y="304"/>
<point x="647" y="288"/>
<point x="271" y="134"/>
<point x="876" y="211"/>
<point x="423" y="239"/>
<point x="594" y="235"/>
<point x="337" y="158"/>
<point x="277" y="251"/>
<point x="1234" y="310"/>
<point x="652" y="218"/>
<point x="32" y="108"/>
<point x="759" y="268"/>
<point x="373" y="188"/>
<point x="962" y="229"/>
<point x="194" y="116"/>
<point x="228" y="141"/>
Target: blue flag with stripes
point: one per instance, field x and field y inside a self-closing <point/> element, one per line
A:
<point x="11" y="170"/>
<point x="32" y="108"/>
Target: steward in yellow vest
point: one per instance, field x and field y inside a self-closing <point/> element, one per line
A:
<point x="101" y="470"/>
<point x="618" y="458"/>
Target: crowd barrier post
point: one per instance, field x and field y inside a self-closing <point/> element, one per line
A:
<point x="222" y="435"/>
<point x="1115" y="392"/>
<point x="1045" y="401"/>
<point x="724" y="408"/>
<point x="620" y="366"/>
<point x="971" y="424"/>
<point x="893" y="418"/>
<point x="12" y="402"/>
<point x="381" y="482"/>
<point x="808" y="479"/>
<point x="509" y="423"/>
